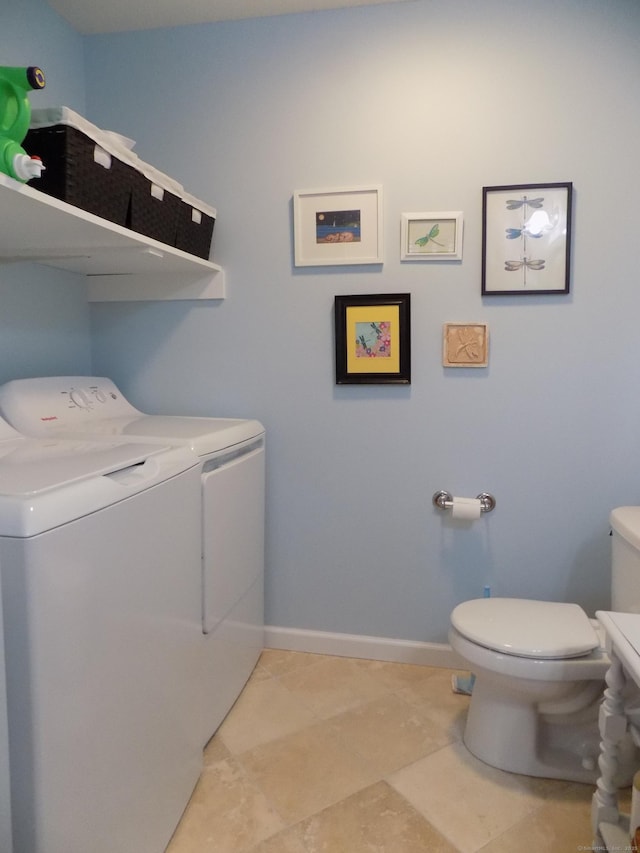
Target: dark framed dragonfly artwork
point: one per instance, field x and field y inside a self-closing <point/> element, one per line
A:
<point x="526" y="239"/>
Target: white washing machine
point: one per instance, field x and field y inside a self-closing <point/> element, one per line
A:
<point x="6" y="834"/>
<point x="99" y="588"/>
<point x="232" y="460"/>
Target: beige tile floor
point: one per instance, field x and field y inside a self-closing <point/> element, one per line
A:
<point x="334" y="755"/>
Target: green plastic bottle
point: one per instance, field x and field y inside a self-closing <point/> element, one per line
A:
<point x="15" y="116"/>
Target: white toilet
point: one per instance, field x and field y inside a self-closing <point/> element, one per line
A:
<point x="539" y="673"/>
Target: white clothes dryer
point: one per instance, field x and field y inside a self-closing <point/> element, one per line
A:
<point x="232" y="464"/>
<point x="99" y="587"/>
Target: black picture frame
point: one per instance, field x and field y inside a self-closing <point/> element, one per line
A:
<point x="373" y="339"/>
<point x="526" y="239"/>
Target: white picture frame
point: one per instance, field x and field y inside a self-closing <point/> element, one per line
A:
<point x="435" y="236"/>
<point x="338" y="226"/>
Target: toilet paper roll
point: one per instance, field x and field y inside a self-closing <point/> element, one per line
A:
<point x="466" y="509"/>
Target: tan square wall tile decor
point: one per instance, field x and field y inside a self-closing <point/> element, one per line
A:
<point x="465" y="345"/>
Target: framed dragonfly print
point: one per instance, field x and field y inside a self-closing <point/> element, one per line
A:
<point x="526" y="239"/>
<point x="431" y="236"/>
<point x="372" y="337"/>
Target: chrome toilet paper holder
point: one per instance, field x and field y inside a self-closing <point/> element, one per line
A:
<point x="444" y="500"/>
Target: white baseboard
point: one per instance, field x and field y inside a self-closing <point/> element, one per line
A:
<point x="359" y="646"/>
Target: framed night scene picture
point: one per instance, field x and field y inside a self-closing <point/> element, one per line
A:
<point x="373" y="339"/>
<point x="338" y="226"/>
<point x="526" y="239"/>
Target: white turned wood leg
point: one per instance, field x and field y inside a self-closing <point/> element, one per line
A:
<point x="613" y="725"/>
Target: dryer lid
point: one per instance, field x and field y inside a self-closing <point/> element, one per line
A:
<point x="534" y="629"/>
<point x="203" y="436"/>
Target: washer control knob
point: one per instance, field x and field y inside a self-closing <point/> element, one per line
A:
<point x="79" y="398"/>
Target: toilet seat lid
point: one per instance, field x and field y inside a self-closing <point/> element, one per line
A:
<point x="534" y="629"/>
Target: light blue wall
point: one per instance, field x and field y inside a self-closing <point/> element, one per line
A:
<point x="433" y="101"/>
<point x="44" y="317"/>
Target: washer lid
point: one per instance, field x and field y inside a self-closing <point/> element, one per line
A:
<point x="31" y="466"/>
<point x="45" y="483"/>
<point x="534" y="629"/>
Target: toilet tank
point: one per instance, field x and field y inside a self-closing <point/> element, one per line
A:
<point x="625" y="559"/>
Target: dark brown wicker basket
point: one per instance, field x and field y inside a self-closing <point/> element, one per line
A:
<point x="192" y="236"/>
<point x="71" y="173"/>
<point x="151" y="216"/>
